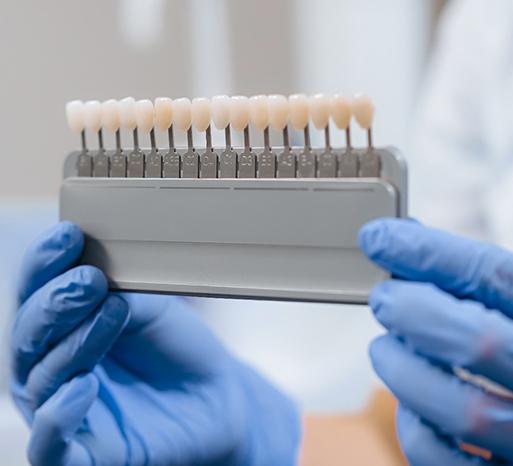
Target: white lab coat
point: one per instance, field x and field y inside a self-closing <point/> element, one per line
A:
<point x="462" y="152"/>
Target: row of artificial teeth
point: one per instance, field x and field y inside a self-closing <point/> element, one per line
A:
<point x="237" y="112"/>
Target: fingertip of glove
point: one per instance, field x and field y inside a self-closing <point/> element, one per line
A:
<point x="377" y="352"/>
<point x="91" y="278"/>
<point x="70" y="234"/>
<point x="80" y="390"/>
<point x="376" y="237"/>
<point x="87" y="384"/>
<point x="116" y="309"/>
<point x="373" y="237"/>
<point x="378" y="295"/>
<point x="64" y="238"/>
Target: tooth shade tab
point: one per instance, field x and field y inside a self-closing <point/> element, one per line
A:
<point x="299" y="111"/>
<point x="163" y="113"/>
<point x="239" y="112"/>
<point x="221" y="111"/>
<point x="144" y="116"/>
<point x="278" y="111"/>
<point x="182" y="114"/>
<point x="320" y="110"/>
<point x="363" y="110"/>
<point x="201" y="113"/>
<point x="127" y="113"/>
<point x="110" y="115"/>
<point x="341" y="111"/>
<point x="75" y="115"/>
<point x="258" y="112"/>
<point x="93" y="115"/>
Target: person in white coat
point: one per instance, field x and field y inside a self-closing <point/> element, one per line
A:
<point x="462" y="150"/>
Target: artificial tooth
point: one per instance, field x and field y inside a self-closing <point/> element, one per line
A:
<point x="75" y="116"/>
<point x="164" y="118"/>
<point x="221" y="105"/>
<point x="93" y="116"/>
<point x="259" y="115"/>
<point x="182" y="119"/>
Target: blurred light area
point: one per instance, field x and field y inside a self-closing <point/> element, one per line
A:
<point x="210" y="51"/>
<point x="317" y="353"/>
<point x="14" y="435"/>
<point x="210" y="47"/>
<point x="141" y="22"/>
<point x="379" y="48"/>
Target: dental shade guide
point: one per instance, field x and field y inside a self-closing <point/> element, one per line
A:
<point x="239" y="121"/>
<point x="182" y="120"/>
<point x="135" y="159"/>
<point x="259" y="115"/>
<point x="279" y="113"/>
<point x="111" y="122"/>
<point x="299" y="108"/>
<point x="93" y="124"/>
<point x="363" y="109"/>
<point x="320" y="114"/>
<point x="341" y="113"/>
<point x="145" y="119"/>
<point x="272" y="222"/>
<point x="221" y="105"/>
<point x="201" y="117"/>
<point x="164" y="121"/>
<point x="76" y="123"/>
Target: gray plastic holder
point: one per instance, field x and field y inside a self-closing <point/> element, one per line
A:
<point x="285" y="239"/>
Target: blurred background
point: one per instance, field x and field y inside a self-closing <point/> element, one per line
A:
<point x="55" y="51"/>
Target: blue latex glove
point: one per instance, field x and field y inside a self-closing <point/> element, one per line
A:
<point x="132" y="379"/>
<point x="450" y="306"/>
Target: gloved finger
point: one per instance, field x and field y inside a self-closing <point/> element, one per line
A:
<point x="56" y="422"/>
<point x="457" y="408"/>
<point x="423" y="447"/>
<point x="54" y="252"/>
<point x="52" y="312"/>
<point x="460" y="266"/>
<point x="78" y="352"/>
<point x="446" y="329"/>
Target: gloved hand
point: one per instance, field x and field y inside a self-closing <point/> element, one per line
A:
<point x="450" y="306"/>
<point x="132" y="379"/>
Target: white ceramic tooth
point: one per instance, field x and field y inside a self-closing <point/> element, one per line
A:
<point x="258" y="112"/>
<point x="341" y="111"/>
<point x="144" y="115"/>
<point x="75" y="115"/>
<point x="163" y="113"/>
<point x="320" y="110"/>
<point x="278" y="111"/>
<point x="127" y="113"/>
<point x="299" y="111"/>
<point x="110" y="115"/>
<point x="239" y="112"/>
<point x="201" y="113"/>
<point x="221" y="111"/>
<point x="93" y="115"/>
<point x="363" y="110"/>
<point x="182" y="116"/>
